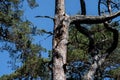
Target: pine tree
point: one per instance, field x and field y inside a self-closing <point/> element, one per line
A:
<point x="85" y="45"/>
<point x="16" y="33"/>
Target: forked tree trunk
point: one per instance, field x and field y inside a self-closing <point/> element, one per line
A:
<point x="59" y="42"/>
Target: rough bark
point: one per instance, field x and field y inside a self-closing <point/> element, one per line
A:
<point x="98" y="60"/>
<point x="60" y="40"/>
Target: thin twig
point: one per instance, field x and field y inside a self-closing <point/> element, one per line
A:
<point x="45" y="17"/>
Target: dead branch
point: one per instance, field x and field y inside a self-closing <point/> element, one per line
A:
<point x="92" y="19"/>
<point x="88" y="34"/>
<point x="45" y="17"/>
<point x="115" y="38"/>
<point x="83" y="7"/>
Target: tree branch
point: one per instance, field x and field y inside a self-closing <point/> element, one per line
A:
<point x="109" y="6"/>
<point x="45" y="17"/>
<point x="99" y="7"/>
<point x="88" y="34"/>
<point x="83" y="7"/>
<point x="92" y="19"/>
<point x="115" y="38"/>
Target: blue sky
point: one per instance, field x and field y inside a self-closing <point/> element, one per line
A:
<point x="46" y="8"/>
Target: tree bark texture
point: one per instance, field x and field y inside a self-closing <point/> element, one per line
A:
<point x="60" y="40"/>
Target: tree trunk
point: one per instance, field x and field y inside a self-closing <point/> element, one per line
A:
<point x="98" y="61"/>
<point x="60" y="40"/>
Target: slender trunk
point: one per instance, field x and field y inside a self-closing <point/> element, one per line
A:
<point x="59" y="42"/>
<point x="98" y="61"/>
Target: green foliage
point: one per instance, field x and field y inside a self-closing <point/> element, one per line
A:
<point x="34" y="67"/>
<point x="76" y="55"/>
<point x="32" y="3"/>
<point x="15" y="31"/>
<point x="78" y="45"/>
<point x="102" y="37"/>
<point x="115" y="73"/>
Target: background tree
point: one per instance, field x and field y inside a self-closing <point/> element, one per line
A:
<point x="17" y="35"/>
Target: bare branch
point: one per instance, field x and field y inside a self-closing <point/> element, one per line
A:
<point x="93" y="19"/>
<point x="83" y="7"/>
<point x="115" y="38"/>
<point x="115" y="4"/>
<point x="45" y="17"/>
<point x="99" y="7"/>
<point x="88" y="34"/>
<point x="47" y="32"/>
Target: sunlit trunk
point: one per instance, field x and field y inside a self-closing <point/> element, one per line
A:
<point x="59" y="42"/>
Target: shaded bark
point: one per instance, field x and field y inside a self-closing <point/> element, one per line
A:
<point x="99" y="13"/>
<point x="115" y="37"/>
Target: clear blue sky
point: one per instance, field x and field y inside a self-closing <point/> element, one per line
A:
<point x="46" y="7"/>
